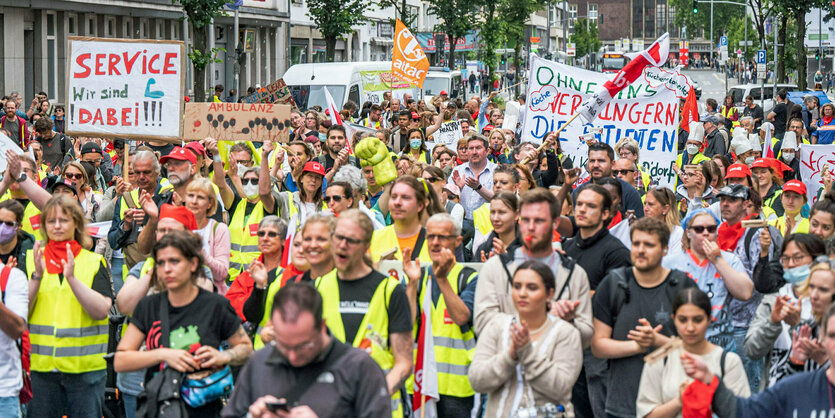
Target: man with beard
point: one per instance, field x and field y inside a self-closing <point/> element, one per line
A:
<point x="336" y="152"/>
<point x="14" y="125"/>
<point x="601" y="157"/>
<point x="598" y="252"/>
<point x="626" y="327"/>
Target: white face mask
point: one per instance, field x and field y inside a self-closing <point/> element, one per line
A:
<point x="692" y="149"/>
<point x="788" y="156"/>
<point x="241" y="169"/>
<point x="251" y="191"/>
<point x="749" y="160"/>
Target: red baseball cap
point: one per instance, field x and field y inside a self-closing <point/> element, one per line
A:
<point x="179" y="153"/>
<point x="314" y="167"/>
<point x="762" y="163"/>
<point x="180" y="214"/>
<point x="415" y="115"/>
<point x="737" y="171"/>
<point x="443" y="93"/>
<point x="795" y="186"/>
<point x="197" y="147"/>
<point x="487" y="128"/>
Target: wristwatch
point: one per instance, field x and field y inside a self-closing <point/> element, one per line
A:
<point x="479" y="187"/>
<point x="22" y="177"/>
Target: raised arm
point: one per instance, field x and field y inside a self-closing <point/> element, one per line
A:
<point x="264" y="180"/>
<point x="219" y="175"/>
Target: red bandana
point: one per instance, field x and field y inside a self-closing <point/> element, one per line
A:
<point x="55" y="254"/>
<point x="729" y="235"/>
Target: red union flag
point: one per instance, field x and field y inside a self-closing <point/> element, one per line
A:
<point x="655" y="56"/>
<point x="408" y="60"/>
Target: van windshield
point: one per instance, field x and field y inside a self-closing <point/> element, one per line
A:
<point x="737" y="95"/>
<point x="309" y="96"/>
<point x="432" y="86"/>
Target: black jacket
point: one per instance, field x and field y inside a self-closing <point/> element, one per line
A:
<point x="598" y="254"/>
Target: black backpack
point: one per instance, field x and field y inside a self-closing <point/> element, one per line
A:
<point x="618" y="287"/>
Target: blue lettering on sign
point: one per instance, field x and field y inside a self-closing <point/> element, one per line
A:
<point x="536" y="100"/>
<point x="652" y="139"/>
<point x="541" y="126"/>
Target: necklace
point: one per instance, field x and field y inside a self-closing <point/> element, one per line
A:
<point x="538" y="330"/>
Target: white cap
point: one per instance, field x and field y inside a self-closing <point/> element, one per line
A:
<point x="754" y="139"/>
<point x="739" y="134"/>
<point x="769" y="125"/>
<point x="789" y="140"/>
<point x="697" y="132"/>
<point x="741" y="145"/>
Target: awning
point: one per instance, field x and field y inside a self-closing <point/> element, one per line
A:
<point x="382" y="41"/>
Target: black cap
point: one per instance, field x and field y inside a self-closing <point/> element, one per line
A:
<point x="63" y="182"/>
<point x="90" y="147"/>
<point x="734" y="190"/>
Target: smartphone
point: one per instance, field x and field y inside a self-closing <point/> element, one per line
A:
<point x="280" y="405"/>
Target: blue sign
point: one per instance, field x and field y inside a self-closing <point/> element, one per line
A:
<point x="723" y="41"/>
<point x="761" y="56"/>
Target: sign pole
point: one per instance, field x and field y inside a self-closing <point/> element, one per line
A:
<point x="542" y="147"/>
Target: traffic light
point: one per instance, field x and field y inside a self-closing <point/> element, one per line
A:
<point x="695" y="6"/>
<point x="817" y="55"/>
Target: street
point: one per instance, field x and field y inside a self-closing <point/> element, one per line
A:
<point x="712" y="84"/>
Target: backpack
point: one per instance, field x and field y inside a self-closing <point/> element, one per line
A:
<point x="619" y="287"/>
<point x="567" y="262"/>
<point x="23" y="344"/>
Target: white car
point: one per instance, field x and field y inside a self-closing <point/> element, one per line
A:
<point x="740" y="92"/>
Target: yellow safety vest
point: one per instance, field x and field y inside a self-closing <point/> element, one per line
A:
<point x="481" y="219"/>
<point x="372" y="335"/>
<point x="32" y="221"/>
<point x="64" y="337"/>
<point x="696" y="160"/>
<point x="727" y="112"/>
<point x="274" y="287"/>
<point x="243" y="232"/>
<point x="454" y="349"/>
<point x="770" y="201"/>
<point x="385" y="239"/>
<point x="801" y="227"/>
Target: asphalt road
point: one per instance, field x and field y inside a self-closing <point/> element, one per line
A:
<point x="712" y="83"/>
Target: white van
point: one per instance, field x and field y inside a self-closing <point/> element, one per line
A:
<point x="355" y="81"/>
<point x="740" y="92"/>
<point x="439" y="80"/>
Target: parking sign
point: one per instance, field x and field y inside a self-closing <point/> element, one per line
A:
<point x="723" y="42"/>
<point x="761" y="63"/>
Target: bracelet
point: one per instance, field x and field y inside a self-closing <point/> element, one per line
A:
<point x="35" y="277"/>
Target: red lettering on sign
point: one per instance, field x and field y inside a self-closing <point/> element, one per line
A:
<point x="81" y="61"/>
<point x="111" y="117"/>
<point x="169" y="67"/>
<point x="129" y="61"/>
<point x="151" y="64"/>
<point x="84" y="116"/>
<point x="100" y="64"/>
<point x="111" y="65"/>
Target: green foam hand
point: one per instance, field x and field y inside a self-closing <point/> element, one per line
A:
<point x="373" y="152"/>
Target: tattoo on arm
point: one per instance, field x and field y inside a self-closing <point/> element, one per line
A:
<point x="241" y="352"/>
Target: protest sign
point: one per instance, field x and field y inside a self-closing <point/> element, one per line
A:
<point x="376" y="83"/>
<point x="6" y="144"/>
<point x="237" y="121"/>
<point x="276" y="92"/>
<point x="646" y="110"/>
<point x="125" y="88"/>
<point x="813" y="158"/>
<point x="448" y="134"/>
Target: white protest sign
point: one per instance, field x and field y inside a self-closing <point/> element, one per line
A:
<point x="511" y="115"/>
<point x="125" y="88"/>
<point x="646" y="110"/>
<point x="812" y="160"/>
<point x="448" y="134"/>
<point x="6" y="144"/>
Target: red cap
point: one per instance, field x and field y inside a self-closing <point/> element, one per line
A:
<point x="197" y="147"/>
<point x="796" y="186"/>
<point x="314" y="167"/>
<point x="179" y="153"/>
<point x="444" y="93"/>
<point x="487" y="128"/>
<point x="762" y="163"/>
<point x="737" y="171"/>
<point x="415" y="115"/>
<point x="180" y="214"/>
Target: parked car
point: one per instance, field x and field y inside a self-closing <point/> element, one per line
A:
<point x="740" y="92"/>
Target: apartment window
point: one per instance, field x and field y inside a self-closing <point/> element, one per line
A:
<point x="110" y="27"/>
<point x="552" y="15"/>
<point x="52" y="54"/>
<point x="572" y="15"/>
<point x="298" y="2"/>
<point x="72" y="25"/>
<point x="592" y="12"/>
<point x="91" y="26"/>
<point x="160" y="29"/>
<point x="175" y="30"/>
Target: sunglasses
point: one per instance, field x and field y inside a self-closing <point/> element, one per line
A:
<point x="624" y="172"/>
<point x="9" y="223"/>
<point x="72" y="176"/>
<point x="249" y="181"/>
<point x="271" y="234"/>
<point x="336" y="199"/>
<point x="701" y="228"/>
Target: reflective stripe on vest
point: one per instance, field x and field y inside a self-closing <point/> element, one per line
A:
<point x="374" y="327"/>
<point x="268" y="307"/>
<point x="454" y="349"/>
<point x="64" y="337"/>
<point x="385" y="239"/>
<point x="244" y="243"/>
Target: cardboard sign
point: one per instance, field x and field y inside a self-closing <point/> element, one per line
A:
<point x="125" y="88"/>
<point x="237" y="121"/>
<point x="276" y="92"/>
<point x="448" y="134"/>
<point x="7" y="144"/>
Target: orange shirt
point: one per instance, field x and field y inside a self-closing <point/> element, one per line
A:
<point x="407" y="242"/>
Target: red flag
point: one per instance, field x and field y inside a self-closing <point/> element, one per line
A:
<point x="690" y="111"/>
<point x="336" y="119"/>
<point x="767" y="151"/>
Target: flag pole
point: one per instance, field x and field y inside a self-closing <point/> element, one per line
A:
<point x="422" y="405"/>
<point x="542" y="147"/>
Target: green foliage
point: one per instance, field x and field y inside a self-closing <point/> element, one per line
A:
<point x="698" y="24"/>
<point x="334" y="18"/>
<point x="492" y="35"/>
<point x="201" y="12"/>
<point x="585" y="37"/>
<point x="736" y="34"/>
<point x="200" y="59"/>
<point x="401" y="11"/>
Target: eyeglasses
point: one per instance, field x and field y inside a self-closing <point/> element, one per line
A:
<point x="249" y="181"/>
<point x="624" y="172"/>
<point x="350" y="241"/>
<point x="9" y="223"/>
<point x="701" y="228"/>
<point x="301" y="347"/>
<point x="799" y="258"/>
<point x="433" y="237"/>
<point x="72" y="176"/>
<point x="335" y="198"/>
<point x="271" y="234"/>
<point x="431" y="179"/>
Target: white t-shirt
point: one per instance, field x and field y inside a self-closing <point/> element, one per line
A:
<point x="17" y="300"/>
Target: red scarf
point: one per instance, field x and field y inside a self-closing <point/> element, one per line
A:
<point x="729" y="235"/>
<point x="827" y="120"/>
<point x="55" y="254"/>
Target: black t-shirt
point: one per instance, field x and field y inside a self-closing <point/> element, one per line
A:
<point x="650" y="303"/>
<point x="355" y="296"/>
<point x="54" y="149"/>
<point x="780" y="116"/>
<point x="208" y="320"/>
<point x="163" y="150"/>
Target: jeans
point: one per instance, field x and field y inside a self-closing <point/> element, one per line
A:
<point x="130" y="386"/>
<point x="453" y="406"/>
<point x="753" y="368"/>
<point x="74" y="395"/>
<point x="130" y="405"/>
<point x="9" y="407"/>
<point x="589" y="392"/>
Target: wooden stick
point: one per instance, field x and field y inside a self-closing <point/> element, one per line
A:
<point x="544" y="143"/>
<point x="422" y="404"/>
<point x="510" y="87"/>
<point x="125" y="161"/>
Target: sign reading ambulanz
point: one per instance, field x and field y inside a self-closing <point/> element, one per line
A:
<point x="646" y="110"/>
<point x="125" y="88"/>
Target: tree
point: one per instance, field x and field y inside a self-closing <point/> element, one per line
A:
<point x="736" y="34"/>
<point x="401" y="10"/>
<point x="336" y="18"/>
<point x="585" y="37"/>
<point x="515" y="14"/>
<point x="200" y="14"/>
<point x="457" y="20"/>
